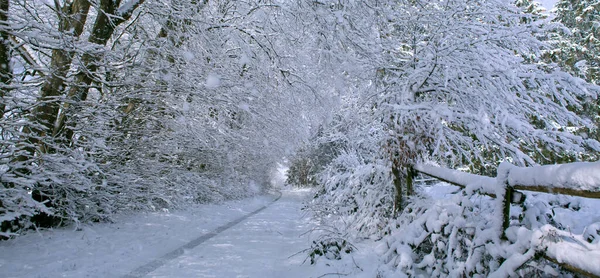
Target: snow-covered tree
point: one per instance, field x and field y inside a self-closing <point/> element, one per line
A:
<point x="451" y="82"/>
<point x="5" y="65"/>
<point x="576" y="46"/>
<point x="118" y="105"/>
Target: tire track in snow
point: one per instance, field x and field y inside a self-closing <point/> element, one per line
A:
<point x="155" y="264"/>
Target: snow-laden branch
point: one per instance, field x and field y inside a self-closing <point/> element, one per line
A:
<point x="128" y="7"/>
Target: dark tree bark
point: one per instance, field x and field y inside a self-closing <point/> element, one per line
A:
<point x="5" y="69"/>
<point x="398" y="199"/>
<point x="72" y="19"/>
<point x="109" y="17"/>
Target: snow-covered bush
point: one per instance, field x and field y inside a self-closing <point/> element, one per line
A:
<point x="332" y="248"/>
<point x="310" y="160"/>
<point x="459" y="235"/>
<point x="355" y="195"/>
<point x="447" y="82"/>
<point x="445" y="238"/>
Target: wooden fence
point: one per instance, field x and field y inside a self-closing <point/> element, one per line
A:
<point x="575" y="179"/>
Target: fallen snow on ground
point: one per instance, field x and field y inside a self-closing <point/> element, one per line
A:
<point x="114" y="249"/>
<point x="267" y="244"/>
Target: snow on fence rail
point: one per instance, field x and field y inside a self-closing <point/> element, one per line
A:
<point x="485" y="185"/>
<point x="576" y="179"/>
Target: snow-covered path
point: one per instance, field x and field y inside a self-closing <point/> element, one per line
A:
<point x="261" y="246"/>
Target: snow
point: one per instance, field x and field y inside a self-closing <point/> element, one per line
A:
<point x="576" y="241"/>
<point x="582" y="176"/>
<point x="471" y="181"/>
<point x="567" y="248"/>
<point x="114" y="249"/>
<point x="548" y="4"/>
<point x="267" y="244"/>
<point x="270" y="243"/>
<point x="244" y="106"/>
<point x="578" y="175"/>
<point x="213" y="81"/>
<point x="592" y="233"/>
<point x="244" y="59"/>
<point x="127" y="7"/>
<point x="188" y="56"/>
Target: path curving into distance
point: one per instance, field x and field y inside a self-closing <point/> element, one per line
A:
<point x="266" y="244"/>
<point x="143" y="270"/>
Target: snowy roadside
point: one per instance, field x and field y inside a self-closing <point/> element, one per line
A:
<point x="565" y="229"/>
<point x="115" y="249"/>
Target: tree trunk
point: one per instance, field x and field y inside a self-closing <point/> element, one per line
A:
<point x="398" y="200"/>
<point x="5" y="69"/>
<point x="107" y="20"/>
<point x="72" y="18"/>
<point x="403" y="183"/>
<point x="410" y="178"/>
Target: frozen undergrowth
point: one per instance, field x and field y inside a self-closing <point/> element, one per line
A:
<point x="454" y="234"/>
<point x="354" y="197"/>
<point x="446" y="231"/>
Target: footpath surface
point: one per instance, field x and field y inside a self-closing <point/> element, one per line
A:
<point x="232" y="239"/>
<point x="116" y="249"/>
<point x="264" y="245"/>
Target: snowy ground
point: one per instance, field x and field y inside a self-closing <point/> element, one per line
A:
<point x="264" y="245"/>
<point x="114" y="249"/>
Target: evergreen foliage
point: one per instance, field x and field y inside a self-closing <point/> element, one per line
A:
<point x="577" y="45"/>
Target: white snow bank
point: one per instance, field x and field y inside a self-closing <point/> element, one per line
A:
<point x="578" y="175"/>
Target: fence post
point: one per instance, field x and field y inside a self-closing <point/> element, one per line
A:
<point x="506" y="210"/>
<point x="503" y="173"/>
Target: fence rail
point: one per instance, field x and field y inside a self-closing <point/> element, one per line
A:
<point x="580" y="179"/>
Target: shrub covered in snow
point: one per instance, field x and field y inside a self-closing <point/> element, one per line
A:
<point x="311" y="159"/>
<point x="355" y="195"/>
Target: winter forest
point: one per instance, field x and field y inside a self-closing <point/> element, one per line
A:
<point x="111" y="107"/>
